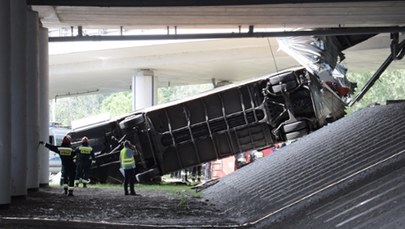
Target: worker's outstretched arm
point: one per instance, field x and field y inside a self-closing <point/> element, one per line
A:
<point x="50" y="147"/>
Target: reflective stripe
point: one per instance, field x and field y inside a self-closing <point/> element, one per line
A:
<point x="65" y="151"/>
<point x="70" y="188"/>
<point x="85" y="149"/>
<point x="126" y="162"/>
<point x="65" y="185"/>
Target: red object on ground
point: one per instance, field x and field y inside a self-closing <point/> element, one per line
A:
<point x="267" y="151"/>
<point x="223" y="167"/>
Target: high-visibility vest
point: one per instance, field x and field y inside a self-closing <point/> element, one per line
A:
<point x="85" y="149"/>
<point x="65" y="151"/>
<point x="127" y="162"/>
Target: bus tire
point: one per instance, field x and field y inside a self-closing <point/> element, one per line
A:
<point x="132" y="121"/>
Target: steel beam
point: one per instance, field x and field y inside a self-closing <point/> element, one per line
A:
<point x="172" y="3"/>
<point x="319" y="32"/>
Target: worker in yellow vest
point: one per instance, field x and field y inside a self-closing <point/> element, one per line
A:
<point x="127" y="160"/>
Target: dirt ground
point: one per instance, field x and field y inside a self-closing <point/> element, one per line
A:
<point x="109" y="208"/>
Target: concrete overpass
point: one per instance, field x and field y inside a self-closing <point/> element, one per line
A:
<point x="188" y="62"/>
<point x="198" y="61"/>
<point x="24" y="61"/>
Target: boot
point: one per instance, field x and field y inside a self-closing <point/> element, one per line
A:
<point x="65" y="189"/>
<point x="133" y="193"/>
<point x="84" y="185"/>
<point x="126" y="192"/>
<point x="70" y="193"/>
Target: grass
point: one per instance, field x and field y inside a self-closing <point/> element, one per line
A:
<point x="180" y="189"/>
<point x="183" y="203"/>
<point x="183" y="191"/>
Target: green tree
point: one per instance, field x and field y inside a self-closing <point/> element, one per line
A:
<point x="73" y="108"/>
<point x="165" y="94"/>
<point x="390" y="86"/>
<point x="117" y="104"/>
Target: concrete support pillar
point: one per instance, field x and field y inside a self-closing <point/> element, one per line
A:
<point x="32" y="101"/>
<point x="18" y="98"/>
<point x="5" y="104"/>
<point x="144" y="89"/>
<point x="43" y="106"/>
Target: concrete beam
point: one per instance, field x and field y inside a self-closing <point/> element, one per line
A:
<point x="43" y="105"/>
<point x="5" y="104"/>
<point x="18" y="98"/>
<point x="163" y="3"/>
<point x="32" y="101"/>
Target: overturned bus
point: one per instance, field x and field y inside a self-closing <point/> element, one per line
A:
<point x="216" y="124"/>
<point x="235" y="118"/>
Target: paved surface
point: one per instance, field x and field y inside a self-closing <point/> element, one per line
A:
<point x="325" y="171"/>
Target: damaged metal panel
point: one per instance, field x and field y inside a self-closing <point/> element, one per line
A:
<point x="322" y="56"/>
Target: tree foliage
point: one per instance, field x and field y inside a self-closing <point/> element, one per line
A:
<point x="73" y="108"/>
<point x="117" y="104"/>
<point x="390" y="86"/>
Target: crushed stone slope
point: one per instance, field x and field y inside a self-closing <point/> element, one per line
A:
<point x="333" y="159"/>
<point x="378" y="204"/>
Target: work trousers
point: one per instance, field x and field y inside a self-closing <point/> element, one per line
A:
<point x="129" y="180"/>
<point x="69" y="173"/>
<point x="83" y="169"/>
